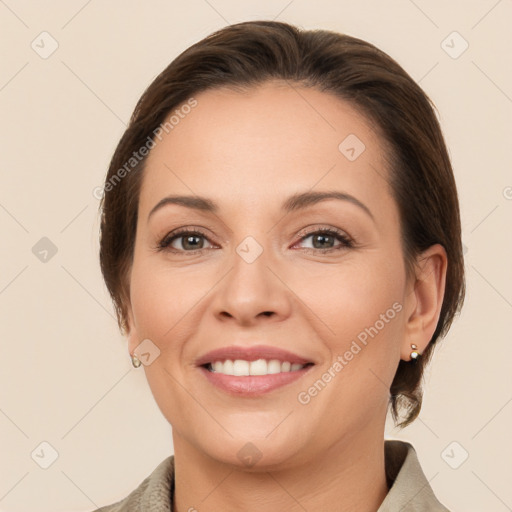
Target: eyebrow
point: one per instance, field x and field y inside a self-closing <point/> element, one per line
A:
<point x="295" y="202"/>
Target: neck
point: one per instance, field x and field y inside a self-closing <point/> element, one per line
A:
<point x="349" y="476"/>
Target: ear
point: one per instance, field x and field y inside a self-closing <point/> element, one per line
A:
<point x="131" y="330"/>
<point x="424" y="300"/>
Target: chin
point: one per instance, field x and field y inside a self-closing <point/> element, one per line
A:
<point x="254" y="453"/>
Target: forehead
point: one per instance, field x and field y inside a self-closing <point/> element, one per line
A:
<point x="264" y="144"/>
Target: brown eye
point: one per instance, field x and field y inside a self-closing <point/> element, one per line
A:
<point x="187" y="241"/>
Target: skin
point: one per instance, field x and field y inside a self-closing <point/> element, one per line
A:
<point x="249" y="152"/>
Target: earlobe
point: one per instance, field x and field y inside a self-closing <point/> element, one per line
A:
<point x="427" y="295"/>
<point x="133" y="339"/>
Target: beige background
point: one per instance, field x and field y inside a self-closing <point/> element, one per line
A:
<point x="65" y="377"/>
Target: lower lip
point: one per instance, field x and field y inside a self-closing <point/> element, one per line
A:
<point x="252" y="385"/>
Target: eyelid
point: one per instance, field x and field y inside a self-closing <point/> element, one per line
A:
<point x="309" y="230"/>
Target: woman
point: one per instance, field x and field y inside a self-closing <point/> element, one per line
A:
<point x="281" y="238"/>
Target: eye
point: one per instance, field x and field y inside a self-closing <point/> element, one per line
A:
<point x="324" y="240"/>
<point x="190" y="240"/>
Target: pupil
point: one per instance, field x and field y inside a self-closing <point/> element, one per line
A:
<point x="322" y="238"/>
<point x="189" y="242"/>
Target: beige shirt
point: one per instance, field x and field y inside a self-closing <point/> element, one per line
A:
<point x="409" y="492"/>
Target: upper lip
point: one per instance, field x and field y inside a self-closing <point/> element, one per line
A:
<point x="250" y="354"/>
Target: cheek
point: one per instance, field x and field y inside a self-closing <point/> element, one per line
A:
<point x="160" y="297"/>
<point x="353" y="296"/>
<point x="150" y="306"/>
<point x="360" y="303"/>
<point x="361" y="306"/>
<point x="160" y="300"/>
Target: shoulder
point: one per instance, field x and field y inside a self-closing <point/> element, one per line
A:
<point x="410" y="491"/>
<point x="153" y="494"/>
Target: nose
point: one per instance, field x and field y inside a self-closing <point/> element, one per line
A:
<point x="252" y="292"/>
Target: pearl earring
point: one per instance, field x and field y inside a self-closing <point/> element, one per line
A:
<point x="135" y="361"/>
<point x="414" y="354"/>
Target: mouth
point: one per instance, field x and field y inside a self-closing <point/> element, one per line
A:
<point x="252" y="371"/>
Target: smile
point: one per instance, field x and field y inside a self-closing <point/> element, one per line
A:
<point x="243" y="368"/>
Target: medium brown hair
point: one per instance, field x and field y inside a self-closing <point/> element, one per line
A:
<point x="247" y="54"/>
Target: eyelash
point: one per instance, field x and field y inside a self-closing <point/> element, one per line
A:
<point x="346" y="242"/>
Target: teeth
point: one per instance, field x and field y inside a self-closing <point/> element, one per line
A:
<point x="242" y="368"/>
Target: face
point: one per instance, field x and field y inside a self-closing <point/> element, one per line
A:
<point x="322" y="281"/>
